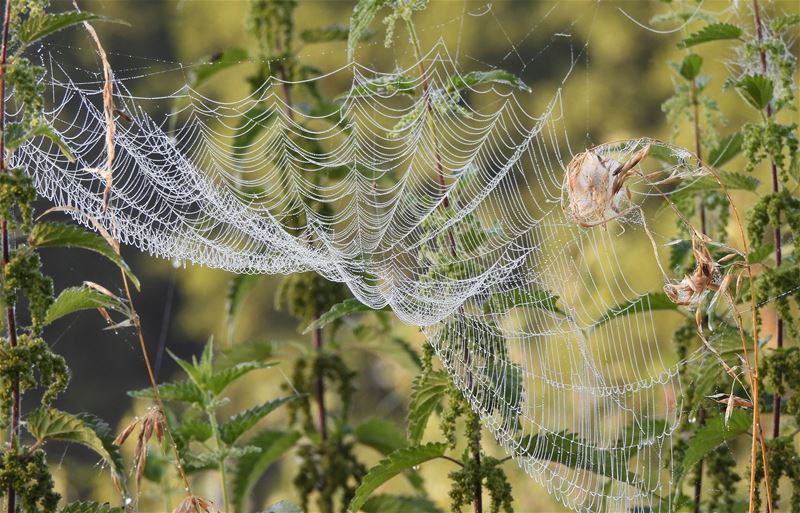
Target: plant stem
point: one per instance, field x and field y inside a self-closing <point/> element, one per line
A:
<point x="11" y="321"/>
<point x="776" y="407"/>
<point x="319" y="388"/>
<point x="698" y="149"/>
<point x="475" y="428"/>
<point x="212" y="419"/>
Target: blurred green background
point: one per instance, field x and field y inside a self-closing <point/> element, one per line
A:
<point x="614" y="75"/>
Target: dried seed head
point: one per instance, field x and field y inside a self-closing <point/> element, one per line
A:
<point x="691" y="290"/>
<point x="192" y="503"/>
<point x="150" y="423"/>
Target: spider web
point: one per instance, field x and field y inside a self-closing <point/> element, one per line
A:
<point x="454" y="210"/>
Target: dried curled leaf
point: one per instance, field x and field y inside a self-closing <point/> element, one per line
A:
<point x="595" y="186"/>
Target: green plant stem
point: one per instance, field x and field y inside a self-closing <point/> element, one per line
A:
<point x="11" y="322"/>
<point x="698" y="148"/>
<point x="319" y="387"/>
<point x="212" y="419"/>
<point x="475" y="442"/>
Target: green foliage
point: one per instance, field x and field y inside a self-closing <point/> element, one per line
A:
<point x="396" y="463"/>
<point x="220" y="441"/>
<point x="90" y="507"/>
<point x="27" y="474"/>
<point x="49" y="234"/>
<point x="49" y="424"/>
<point x="763" y="72"/>
<point x="26" y="360"/>
<point x="40" y="25"/>
<point x="384" y="85"/>
<point x="333" y="32"/>
<point x="727" y="148"/>
<point x="712" y="32"/>
<point x="30" y="364"/>
<point x="570" y="449"/>
<point x="338" y="311"/>
<point x="476" y="78"/>
<point x="236" y="426"/>
<point x="690" y="67"/>
<point x="363" y="14"/>
<point x="757" y="90"/>
<point x="75" y="299"/>
<point x="250" y="467"/>
<point x="428" y="391"/>
<point x="307" y="295"/>
<point x="399" y="504"/>
<point x="488" y="472"/>
<point x="711" y="435"/>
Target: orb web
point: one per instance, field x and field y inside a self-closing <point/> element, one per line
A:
<point x="469" y="217"/>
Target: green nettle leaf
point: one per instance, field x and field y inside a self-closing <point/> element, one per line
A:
<point x="284" y="507"/>
<point x="731" y="181"/>
<point x="238" y="289"/>
<point x="382" y="435"/>
<point x="726" y="150"/>
<point x="196" y="429"/>
<point x="759" y="254"/>
<point x="642" y="304"/>
<point x="475" y="78"/>
<point x="690" y="67"/>
<point x="220" y="380"/>
<point x="181" y="391"/>
<point x="90" y="507"/>
<point x="240" y="423"/>
<point x="55" y="234"/>
<point x="74" y="299"/>
<point x="48" y="424"/>
<point x="713" y="32"/>
<point x="230" y="57"/>
<point x="251" y="467"/>
<point x="397" y="462"/>
<point x="712" y="434"/>
<point x="382" y="86"/>
<point x="339" y="310"/>
<point x="15" y="136"/>
<point x="251" y="124"/>
<point x="400" y="504"/>
<point x="756" y="89"/>
<point x="571" y="450"/>
<point x="427" y="393"/>
<point x="41" y="25"/>
<point x="784" y="21"/>
<point x="106" y="436"/>
<point x="363" y="14"/>
<point x="540" y="299"/>
<point x="333" y="32"/>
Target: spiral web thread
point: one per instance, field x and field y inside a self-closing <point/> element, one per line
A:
<point x="519" y="300"/>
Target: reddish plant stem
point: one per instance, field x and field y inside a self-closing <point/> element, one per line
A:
<point x="776" y="413"/>
<point x="11" y="321"/>
<point x="776" y="236"/>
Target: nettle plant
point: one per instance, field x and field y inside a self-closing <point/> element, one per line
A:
<point x="206" y="442"/>
<point x="762" y="73"/>
<point x="27" y="363"/>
